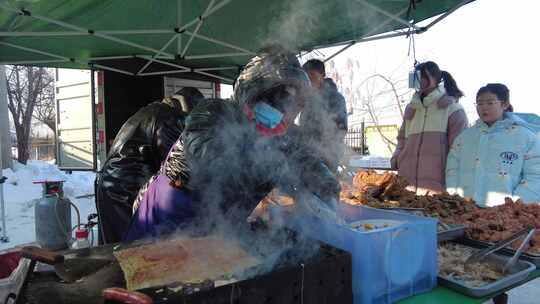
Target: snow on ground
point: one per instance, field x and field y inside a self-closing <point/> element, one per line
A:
<point x="20" y="193"/>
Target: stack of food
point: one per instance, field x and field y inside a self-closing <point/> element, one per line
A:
<point x="497" y="223"/>
<point x="372" y="188"/>
<point x="441" y="205"/>
<point x="452" y="257"/>
<point x="387" y="190"/>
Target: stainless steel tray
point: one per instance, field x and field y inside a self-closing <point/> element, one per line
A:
<point x="519" y="272"/>
<point x="455" y="232"/>
<point x="533" y="258"/>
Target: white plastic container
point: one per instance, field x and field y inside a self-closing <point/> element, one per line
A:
<point x="14" y="282"/>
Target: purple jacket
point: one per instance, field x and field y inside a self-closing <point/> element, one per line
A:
<point x="429" y="128"/>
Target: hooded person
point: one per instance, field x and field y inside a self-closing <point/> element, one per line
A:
<point x="324" y="119"/>
<point x="136" y="154"/>
<point x="233" y="153"/>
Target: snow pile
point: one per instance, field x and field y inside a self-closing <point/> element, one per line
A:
<point x="20" y="193"/>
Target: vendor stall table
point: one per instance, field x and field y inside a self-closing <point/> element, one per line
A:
<point x="443" y="295"/>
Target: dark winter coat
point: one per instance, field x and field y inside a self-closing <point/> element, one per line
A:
<point x="227" y="168"/>
<point x="136" y="154"/>
<point x="324" y="122"/>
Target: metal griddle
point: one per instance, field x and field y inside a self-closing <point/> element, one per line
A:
<point x="329" y="266"/>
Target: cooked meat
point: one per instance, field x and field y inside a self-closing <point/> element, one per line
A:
<point x="387" y="190"/>
<point x="372" y="184"/>
<point x="497" y="223"/>
<point x="452" y="259"/>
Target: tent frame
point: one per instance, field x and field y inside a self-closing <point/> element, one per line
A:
<point x="413" y="29"/>
<point x="182" y="48"/>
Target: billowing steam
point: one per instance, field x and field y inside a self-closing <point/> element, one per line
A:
<point x="245" y="169"/>
<point x="302" y="23"/>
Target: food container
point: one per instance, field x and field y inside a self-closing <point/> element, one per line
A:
<point x="526" y="256"/>
<point x="519" y="272"/>
<point x="389" y="263"/>
<point x="454" y="232"/>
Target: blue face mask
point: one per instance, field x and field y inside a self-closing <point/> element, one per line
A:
<point x="267" y="115"/>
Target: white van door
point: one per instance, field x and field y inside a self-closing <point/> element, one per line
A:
<point x="74" y="120"/>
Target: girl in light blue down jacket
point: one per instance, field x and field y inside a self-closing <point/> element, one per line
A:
<point x="499" y="156"/>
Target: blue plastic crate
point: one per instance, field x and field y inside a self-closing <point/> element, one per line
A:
<point x="388" y="264"/>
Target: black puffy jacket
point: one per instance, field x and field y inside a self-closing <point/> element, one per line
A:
<point x="136" y="154"/>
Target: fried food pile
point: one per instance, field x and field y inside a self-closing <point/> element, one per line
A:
<point x="500" y="222"/>
<point x="441" y="205"/>
<point x="387" y="190"/>
<point x="452" y="259"/>
<point x="373" y="189"/>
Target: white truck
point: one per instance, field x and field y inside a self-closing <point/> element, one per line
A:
<point x="87" y="121"/>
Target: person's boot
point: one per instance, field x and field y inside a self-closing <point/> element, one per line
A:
<point x="501" y="299"/>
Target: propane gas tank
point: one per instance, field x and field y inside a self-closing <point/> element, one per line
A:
<point x="53" y="217"/>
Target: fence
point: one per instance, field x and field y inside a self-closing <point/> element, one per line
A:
<point x="355" y="139"/>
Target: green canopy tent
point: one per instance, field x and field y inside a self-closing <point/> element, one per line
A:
<point x="213" y="38"/>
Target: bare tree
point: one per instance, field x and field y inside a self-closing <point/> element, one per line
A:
<point x="371" y="97"/>
<point x="45" y="110"/>
<point x="27" y="87"/>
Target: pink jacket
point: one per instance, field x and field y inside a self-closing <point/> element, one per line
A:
<point x="429" y="128"/>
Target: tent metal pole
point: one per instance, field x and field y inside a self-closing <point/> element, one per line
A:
<point x="30" y="62"/>
<point x="391" y="35"/>
<point x="372" y="31"/>
<point x="340" y="51"/>
<point x="80" y="29"/>
<point x="213" y="75"/>
<point x="104" y="67"/>
<point x="110" y="57"/>
<point x="217" y="69"/>
<point x="68" y="59"/>
<point x="178" y="24"/>
<point x="4" y="238"/>
<point x="197" y="28"/>
<point x="216" y="55"/>
<point x="86" y="33"/>
<point x="221" y="43"/>
<point x="383" y="24"/>
<point x="216" y="8"/>
<point x="3" y="95"/>
<point x="33" y="50"/>
<point x="194" y="21"/>
<point x="165" y="62"/>
<point x="441" y="17"/>
<point x="40" y="34"/>
<point x="153" y="57"/>
<point x="135" y="32"/>
<point x="387" y="14"/>
<point x="163" y="73"/>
